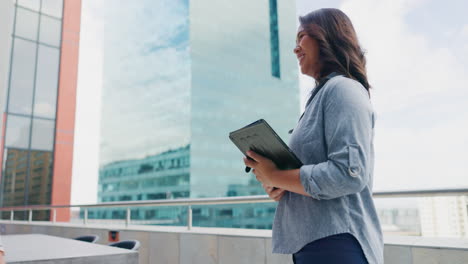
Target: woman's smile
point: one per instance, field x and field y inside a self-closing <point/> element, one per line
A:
<point x="300" y="58"/>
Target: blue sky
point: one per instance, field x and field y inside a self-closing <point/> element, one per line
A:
<point x="417" y="52"/>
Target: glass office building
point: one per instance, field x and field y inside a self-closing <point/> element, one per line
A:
<point x="179" y="76"/>
<point x="39" y="56"/>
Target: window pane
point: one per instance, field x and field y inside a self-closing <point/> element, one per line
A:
<point x="40" y="181"/>
<point x="43" y="134"/>
<point x="14" y="177"/>
<point x="46" y="82"/>
<point x="22" y="77"/>
<point x="17" y="131"/>
<point x="32" y="4"/>
<point x="50" y="31"/>
<point x="26" y="24"/>
<point x="52" y="7"/>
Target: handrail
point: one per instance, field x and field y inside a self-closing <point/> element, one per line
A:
<point x="422" y="193"/>
<point x="212" y="201"/>
<point x="173" y="202"/>
<point x="237" y="200"/>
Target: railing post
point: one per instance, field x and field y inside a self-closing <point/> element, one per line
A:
<point x="30" y="215"/>
<point x="128" y="218"/>
<point x="12" y="215"/>
<point x="85" y="218"/>
<point x="189" y="217"/>
<point x="54" y="215"/>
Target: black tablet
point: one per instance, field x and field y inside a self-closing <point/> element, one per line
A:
<point x="262" y="139"/>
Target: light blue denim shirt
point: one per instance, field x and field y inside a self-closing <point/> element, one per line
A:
<point x="334" y="139"/>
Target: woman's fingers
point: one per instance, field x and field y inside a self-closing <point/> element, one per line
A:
<point x="275" y="194"/>
<point x="266" y="188"/>
<point x="279" y="197"/>
<point x="249" y="163"/>
<point x="269" y="189"/>
<point x="255" y="156"/>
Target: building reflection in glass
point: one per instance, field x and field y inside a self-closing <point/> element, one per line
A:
<point x="30" y="114"/>
<point x="178" y="77"/>
<point x="18" y="189"/>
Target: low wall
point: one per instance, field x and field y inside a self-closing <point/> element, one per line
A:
<point x="175" y="245"/>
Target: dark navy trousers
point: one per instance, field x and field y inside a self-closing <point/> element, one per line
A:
<point x="336" y="249"/>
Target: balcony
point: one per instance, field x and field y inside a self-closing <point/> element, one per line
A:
<point x="190" y="244"/>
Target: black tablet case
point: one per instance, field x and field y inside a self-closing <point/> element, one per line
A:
<point x="262" y="139"/>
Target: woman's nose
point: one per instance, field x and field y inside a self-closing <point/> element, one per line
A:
<point x="296" y="49"/>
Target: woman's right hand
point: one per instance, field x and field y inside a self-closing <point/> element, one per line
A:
<point x="275" y="194"/>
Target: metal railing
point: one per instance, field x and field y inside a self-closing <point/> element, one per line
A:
<point x="211" y="201"/>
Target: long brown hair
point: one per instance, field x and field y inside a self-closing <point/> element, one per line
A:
<point x="339" y="49"/>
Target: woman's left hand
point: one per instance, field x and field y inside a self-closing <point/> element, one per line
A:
<point x="263" y="168"/>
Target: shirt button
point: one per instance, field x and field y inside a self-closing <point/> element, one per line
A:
<point x="354" y="172"/>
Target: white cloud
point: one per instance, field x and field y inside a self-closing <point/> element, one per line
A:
<point x="420" y="96"/>
<point x="464" y="41"/>
<point x="464" y="31"/>
<point x="87" y="118"/>
<point x="402" y="65"/>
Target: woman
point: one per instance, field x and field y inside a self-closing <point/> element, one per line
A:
<point x="326" y="213"/>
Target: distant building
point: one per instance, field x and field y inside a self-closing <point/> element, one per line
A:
<point x="444" y="216"/>
<point x="400" y="221"/>
<point x="38" y="75"/>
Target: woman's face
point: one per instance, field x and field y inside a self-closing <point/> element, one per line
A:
<point x="307" y="52"/>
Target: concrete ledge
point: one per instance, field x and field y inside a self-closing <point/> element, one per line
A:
<point x="163" y="244"/>
<point x="415" y="250"/>
<point x="428" y="242"/>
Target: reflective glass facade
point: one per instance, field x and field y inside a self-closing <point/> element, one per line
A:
<point x="34" y="77"/>
<point x="31" y="104"/>
<point x="182" y="78"/>
<point x="232" y="86"/>
<point x="146" y="79"/>
<point x="145" y="127"/>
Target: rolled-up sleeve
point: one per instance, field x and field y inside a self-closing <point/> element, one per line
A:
<point x="348" y="124"/>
